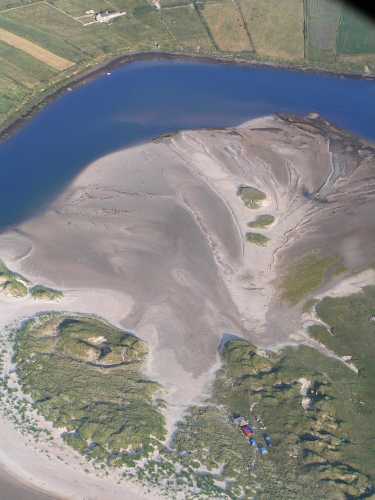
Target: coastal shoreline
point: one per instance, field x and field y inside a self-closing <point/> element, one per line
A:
<point x="48" y="468"/>
<point x="30" y="110"/>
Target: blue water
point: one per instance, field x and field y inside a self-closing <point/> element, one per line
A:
<point x="142" y="100"/>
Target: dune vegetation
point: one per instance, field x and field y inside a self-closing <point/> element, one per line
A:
<point x="41" y="292"/>
<point x="307" y="275"/>
<point x="251" y="196"/>
<point x="262" y="221"/>
<point x="257" y="239"/>
<point x="15" y="285"/>
<point x="86" y="377"/>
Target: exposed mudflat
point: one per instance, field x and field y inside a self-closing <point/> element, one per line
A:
<point x="162" y="228"/>
<point x="162" y="223"/>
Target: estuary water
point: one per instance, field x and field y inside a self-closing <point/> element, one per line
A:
<point x="142" y="100"/>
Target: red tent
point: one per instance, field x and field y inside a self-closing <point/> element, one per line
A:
<point x="247" y="431"/>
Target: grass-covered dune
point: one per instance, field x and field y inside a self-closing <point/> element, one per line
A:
<point x="11" y="283"/>
<point x="41" y="292"/>
<point x="351" y="335"/>
<point x="302" y="400"/>
<point x="86" y="377"/>
<point x="15" y="285"/>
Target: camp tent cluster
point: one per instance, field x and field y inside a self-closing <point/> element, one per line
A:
<point x="249" y="434"/>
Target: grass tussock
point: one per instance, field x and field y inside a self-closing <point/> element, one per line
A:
<point x="251" y="196"/>
<point x="262" y="221"/>
<point x="40" y="292"/>
<point x="257" y="239"/>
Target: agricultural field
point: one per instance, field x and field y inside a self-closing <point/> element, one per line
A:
<point x="175" y="3"/>
<point x="46" y="43"/>
<point x="276" y="28"/>
<point x="79" y="8"/>
<point x="185" y="26"/>
<point x="356" y="34"/>
<point x="226" y="24"/>
<point x="322" y="22"/>
<point x="37" y="52"/>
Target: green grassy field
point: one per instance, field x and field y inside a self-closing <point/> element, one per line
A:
<point x="322" y="19"/>
<point x="276" y="28"/>
<point x="225" y="22"/>
<point x="356" y="34"/>
<point x="335" y="38"/>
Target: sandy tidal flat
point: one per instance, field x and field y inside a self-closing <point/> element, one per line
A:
<point x="153" y="238"/>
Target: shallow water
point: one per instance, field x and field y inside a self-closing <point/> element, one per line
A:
<point x="145" y="99"/>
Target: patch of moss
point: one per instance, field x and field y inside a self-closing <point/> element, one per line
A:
<point x="262" y="221"/>
<point x="251" y="196"/>
<point x="40" y="292"/>
<point x="307" y="275"/>
<point x="257" y="239"/>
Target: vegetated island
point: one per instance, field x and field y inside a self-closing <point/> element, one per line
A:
<point x="165" y="406"/>
<point x="49" y="45"/>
